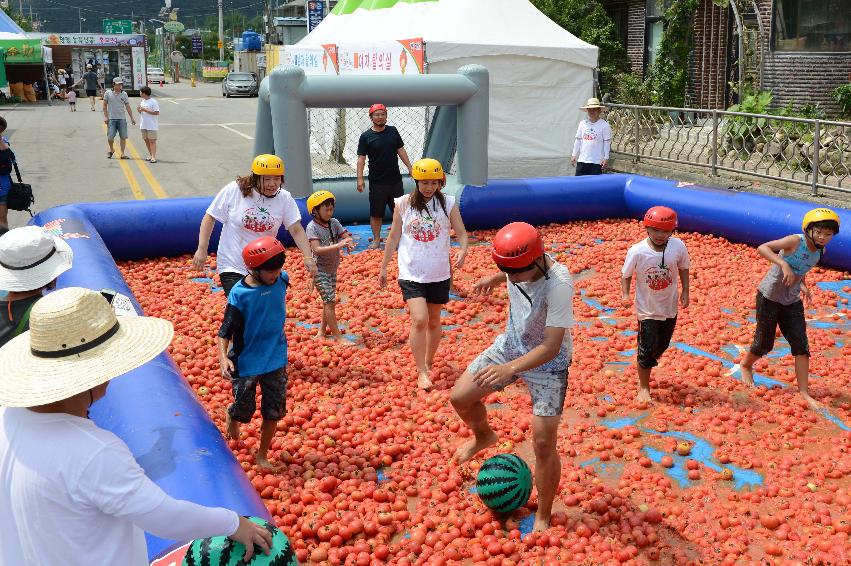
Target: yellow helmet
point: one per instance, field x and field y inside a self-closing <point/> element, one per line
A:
<point x="267" y="164"/>
<point x="427" y="168"/>
<point x="317" y="198"/>
<point x="819" y="215"/>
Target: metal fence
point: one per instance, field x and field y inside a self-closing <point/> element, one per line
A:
<point x="814" y="153"/>
<point x="334" y="135"/>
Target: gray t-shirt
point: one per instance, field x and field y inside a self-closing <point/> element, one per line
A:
<point x="115" y="104"/>
<point x="547" y="302"/>
<point x="327" y="235"/>
<point x="91" y="80"/>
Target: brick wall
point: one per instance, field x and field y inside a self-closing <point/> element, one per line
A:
<point x="708" y="64"/>
<point x="630" y="15"/>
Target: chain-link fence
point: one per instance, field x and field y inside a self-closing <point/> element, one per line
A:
<point x="815" y="153"/>
<point x="334" y="135"/>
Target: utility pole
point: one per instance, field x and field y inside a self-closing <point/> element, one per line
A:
<point x="221" y="34"/>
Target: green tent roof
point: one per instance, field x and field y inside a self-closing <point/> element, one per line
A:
<point x="349" y="6"/>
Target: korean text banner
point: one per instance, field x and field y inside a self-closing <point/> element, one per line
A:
<point x="22" y="50"/>
<point x="401" y="57"/>
<point x="314" y="60"/>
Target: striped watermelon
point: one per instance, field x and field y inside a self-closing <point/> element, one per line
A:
<point x="504" y="483"/>
<point x="221" y="551"/>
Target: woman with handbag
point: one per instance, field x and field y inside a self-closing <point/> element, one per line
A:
<point x="7" y="160"/>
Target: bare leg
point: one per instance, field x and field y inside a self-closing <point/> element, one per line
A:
<point x="123" y="143"/>
<point x="435" y="332"/>
<point x="746" y="367"/>
<point x="466" y="399"/>
<point x="152" y="148"/>
<point x="329" y="313"/>
<point x="323" y="324"/>
<point x="547" y="467"/>
<point x="111" y="143"/>
<point x="802" y="373"/>
<point x="643" y="384"/>
<point x="4" y="216"/>
<point x="419" y="339"/>
<point x="375" y="224"/>
<point x="231" y="428"/>
<point x="267" y="432"/>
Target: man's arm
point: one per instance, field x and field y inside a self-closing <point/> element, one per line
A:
<point x="129" y="111"/>
<point x="404" y="155"/>
<point x="495" y="375"/>
<point x="361" y="165"/>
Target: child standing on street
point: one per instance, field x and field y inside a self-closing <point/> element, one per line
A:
<point x="657" y="262"/>
<point x="536" y="347"/>
<point x="327" y="238"/>
<point x="593" y="142"/>
<point x="778" y="297"/>
<point x="252" y="343"/>
<point x="72" y="99"/>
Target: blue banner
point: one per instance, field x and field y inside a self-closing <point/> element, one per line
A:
<point x="197" y="45"/>
<point x="315" y="14"/>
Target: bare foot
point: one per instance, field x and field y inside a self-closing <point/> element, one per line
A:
<point x="264" y="464"/>
<point x="813" y="404"/>
<point x="373" y="245"/>
<point x="643" y="396"/>
<point x="541" y="523"/>
<point x="231" y="428"/>
<point x="747" y="375"/>
<point x="469" y="449"/>
<point x="424" y="381"/>
<point x="343" y="341"/>
<point x="319" y="335"/>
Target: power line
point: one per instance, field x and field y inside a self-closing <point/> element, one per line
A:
<point x="187" y="12"/>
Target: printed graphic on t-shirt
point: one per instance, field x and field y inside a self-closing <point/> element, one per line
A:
<point x="589" y="135"/>
<point x="658" y="277"/>
<point x="258" y="219"/>
<point x="424" y="228"/>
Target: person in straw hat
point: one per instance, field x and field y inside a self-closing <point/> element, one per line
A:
<point x="30" y="261"/>
<point x="71" y="492"/>
<point x="593" y="142"/>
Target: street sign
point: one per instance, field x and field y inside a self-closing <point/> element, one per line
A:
<point x="197" y="45"/>
<point x="117" y="26"/>
<point x="220" y="44"/>
<point x="173" y="27"/>
<point x="177" y="57"/>
<point x="315" y="14"/>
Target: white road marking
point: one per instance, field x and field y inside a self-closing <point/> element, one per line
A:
<point x="237" y="132"/>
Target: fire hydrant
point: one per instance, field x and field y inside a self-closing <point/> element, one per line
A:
<point x="193" y="81"/>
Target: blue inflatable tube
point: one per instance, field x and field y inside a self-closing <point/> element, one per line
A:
<point x="155" y="411"/>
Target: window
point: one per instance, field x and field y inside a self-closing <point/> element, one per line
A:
<point x="653" y="28"/>
<point x="812" y="25"/>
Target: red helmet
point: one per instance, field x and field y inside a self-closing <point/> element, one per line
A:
<point x="261" y="250"/>
<point x="376" y="107"/>
<point x="662" y="218"/>
<point x="517" y="245"/>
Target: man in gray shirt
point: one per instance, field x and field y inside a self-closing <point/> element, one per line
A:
<point x="115" y="102"/>
<point x="91" y="80"/>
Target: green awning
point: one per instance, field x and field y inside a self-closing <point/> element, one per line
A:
<point x="349" y="6"/>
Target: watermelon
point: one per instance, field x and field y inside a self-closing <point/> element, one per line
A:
<point x="222" y="551"/>
<point x="504" y="483"/>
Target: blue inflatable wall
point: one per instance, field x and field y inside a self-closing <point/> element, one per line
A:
<point x="155" y="411"/>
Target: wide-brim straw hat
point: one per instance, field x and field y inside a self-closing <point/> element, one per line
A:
<point x="30" y="258"/>
<point x="75" y="343"/>
<point x="592" y="103"/>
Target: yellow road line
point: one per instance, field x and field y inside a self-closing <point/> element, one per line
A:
<point x="146" y="172"/>
<point x="131" y="177"/>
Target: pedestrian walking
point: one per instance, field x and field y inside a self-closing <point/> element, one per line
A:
<point x="7" y="162"/>
<point x="149" y="120"/>
<point x="115" y="103"/>
<point x="593" y="142"/>
<point x="92" y="83"/>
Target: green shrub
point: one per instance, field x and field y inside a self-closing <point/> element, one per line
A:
<point x="842" y="95"/>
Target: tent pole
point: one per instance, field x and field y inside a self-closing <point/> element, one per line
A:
<point x="47" y="92"/>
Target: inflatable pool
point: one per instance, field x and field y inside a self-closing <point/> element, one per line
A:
<point x="155" y="411"/>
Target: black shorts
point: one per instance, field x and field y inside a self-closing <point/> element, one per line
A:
<point x="790" y="318"/>
<point x="436" y="293"/>
<point x="91" y="92"/>
<point x="273" y="396"/>
<point x="229" y="279"/>
<point x="654" y="337"/>
<point x="381" y="195"/>
<point x="588" y="169"/>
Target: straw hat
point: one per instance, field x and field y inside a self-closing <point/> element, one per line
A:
<point x="592" y="103"/>
<point x="30" y="258"/>
<point x="75" y="343"/>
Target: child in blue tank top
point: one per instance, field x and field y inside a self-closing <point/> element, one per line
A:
<point x="778" y="297"/>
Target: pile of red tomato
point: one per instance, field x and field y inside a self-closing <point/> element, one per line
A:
<point x="368" y="476"/>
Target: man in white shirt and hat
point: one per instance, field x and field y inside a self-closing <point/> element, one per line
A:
<point x="71" y="493"/>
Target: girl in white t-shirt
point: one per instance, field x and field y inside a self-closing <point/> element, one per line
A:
<point x="593" y="142"/>
<point x="252" y="206"/>
<point x="421" y="223"/>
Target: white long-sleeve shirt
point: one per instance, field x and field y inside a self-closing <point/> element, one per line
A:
<point x="593" y="141"/>
<point x="71" y="493"/>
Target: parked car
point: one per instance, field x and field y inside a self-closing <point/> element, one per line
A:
<point x="240" y="84"/>
<point x="155" y="75"/>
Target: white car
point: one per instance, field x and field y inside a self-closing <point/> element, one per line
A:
<point x="155" y="75"/>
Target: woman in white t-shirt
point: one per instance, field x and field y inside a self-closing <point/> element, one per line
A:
<point x="250" y="207"/>
<point x="421" y="223"/>
<point x="593" y="142"/>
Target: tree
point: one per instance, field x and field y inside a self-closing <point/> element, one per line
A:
<point x="587" y="20"/>
<point x="18" y="18"/>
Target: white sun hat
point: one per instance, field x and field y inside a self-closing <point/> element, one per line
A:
<point x="75" y="343"/>
<point x="30" y="258"/>
<point x="592" y="103"/>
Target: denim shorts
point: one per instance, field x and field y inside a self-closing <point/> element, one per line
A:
<point x="118" y="126"/>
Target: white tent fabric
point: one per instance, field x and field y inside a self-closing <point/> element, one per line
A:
<point x="540" y="74"/>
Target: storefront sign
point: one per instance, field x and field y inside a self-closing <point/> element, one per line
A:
<point x="138" y="55"/>
<point x="314" y="60"/>
<point x="401" y="57"/>
<point x="214" y="72"/>
<point x="117" y="26"/>
<point x="315" y="14"/>
<point x="197" y="45"/>
<point x="95" y="40"/>
<point x="22" y="50"/>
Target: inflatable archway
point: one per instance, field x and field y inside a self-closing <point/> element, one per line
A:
<point x="155" y="411"/>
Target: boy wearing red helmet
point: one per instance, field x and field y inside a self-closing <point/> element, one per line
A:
<point x="536" y="346"/>
<point x="657" y="261"/>
<point x="252" y="343"/>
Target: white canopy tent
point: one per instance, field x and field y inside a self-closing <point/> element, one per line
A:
<point x="540" y="74"/>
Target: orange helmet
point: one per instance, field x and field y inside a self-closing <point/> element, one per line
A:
<point x="661" y="218"/>
<point x="517" y="245"/>
<point x="376" y="107"/>
<point x="264" y="253"/>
